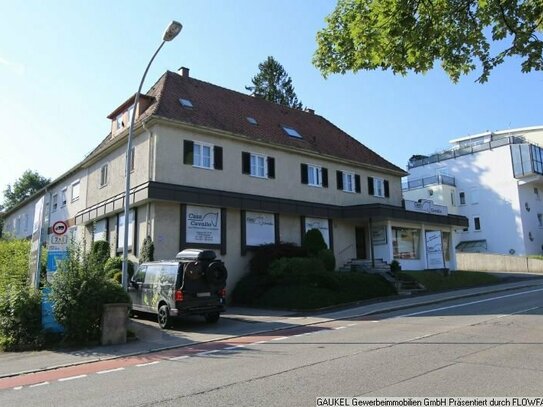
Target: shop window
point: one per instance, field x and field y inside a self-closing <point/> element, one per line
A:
<point x="406" y="243"/>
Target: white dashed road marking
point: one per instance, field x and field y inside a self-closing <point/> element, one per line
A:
<point x="148" y="364"/>
<point x="65" y="379"/>
<point x="179" y="357"/>
<point x="39" y="384"/>
<point x="110" y="370"/>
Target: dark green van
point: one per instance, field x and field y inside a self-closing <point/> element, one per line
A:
<point x="192" y="284"/>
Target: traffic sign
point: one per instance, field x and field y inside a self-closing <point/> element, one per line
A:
<point x="60" y="228"/>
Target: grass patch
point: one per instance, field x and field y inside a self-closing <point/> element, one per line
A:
<point x="436" y="281"/>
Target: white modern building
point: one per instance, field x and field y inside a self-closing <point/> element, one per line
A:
<point x="495" y="179"/>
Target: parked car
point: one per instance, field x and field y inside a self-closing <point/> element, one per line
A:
<point x="192" y="284"/>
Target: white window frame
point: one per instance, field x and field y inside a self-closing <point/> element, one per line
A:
<point x="349" y="183"/>
<point x="104" y="176"/>
<point x="461" y="198"/>
<point x="63" y="195"/>
<point x="255" y="165"/>
<point x="78" y="185"/>
<point x="475" y="229"/>
<point x="314" y="175"/>
<point x="379" y="187"/>
<point x="54" y="202"/>
<point x="198" y="158"/>
<point x="119" y="122"/>
<point x="130" y="114"/>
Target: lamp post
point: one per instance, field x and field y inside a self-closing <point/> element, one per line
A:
<point x="171" y="32"/>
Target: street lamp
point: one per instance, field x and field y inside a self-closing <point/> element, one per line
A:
<point x="171" y="32"/>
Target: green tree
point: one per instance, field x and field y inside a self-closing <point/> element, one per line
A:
<point x="273" y="83"/>
<point x="1" y="220"/>
<point x="411" y="35"/>
<point x="29" y="183"/>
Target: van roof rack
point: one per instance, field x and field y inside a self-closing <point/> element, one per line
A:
<point x="196" y="254"/>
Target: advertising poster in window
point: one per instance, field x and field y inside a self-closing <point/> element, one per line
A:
<point x="260" y="228"/>
<point x="203" y="225"/>
<point x="320" y="224"/>
<point x="100" y="230"/>
<point x="434" y="249"/>
<point x="379" y="235"/>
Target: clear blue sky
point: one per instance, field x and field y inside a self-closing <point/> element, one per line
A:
<point x="65" y="65"/>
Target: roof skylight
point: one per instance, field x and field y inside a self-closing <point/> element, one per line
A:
<point x="292" y="132"/>
<point x="185" y="103"/>
<point x="252" y="120"/>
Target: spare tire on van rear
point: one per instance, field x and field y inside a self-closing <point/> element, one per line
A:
<point x="216" y="273"/>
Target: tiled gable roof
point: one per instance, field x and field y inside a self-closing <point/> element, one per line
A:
<point x="223" y="109"/>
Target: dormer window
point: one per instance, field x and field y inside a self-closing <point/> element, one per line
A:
<point x="186" y="103"/>
<point x="119" y="121"/>
<point x="292" y="132"/>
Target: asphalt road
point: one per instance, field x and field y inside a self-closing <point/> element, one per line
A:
<point x="489" y="345"/>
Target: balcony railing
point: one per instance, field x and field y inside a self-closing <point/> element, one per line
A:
<point x="453" y="153"/>
<point x="439" y="179"/>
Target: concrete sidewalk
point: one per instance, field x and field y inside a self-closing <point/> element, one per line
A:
<point x="237" y="321"/>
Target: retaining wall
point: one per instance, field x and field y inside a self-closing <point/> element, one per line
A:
<point x="498" y="262"/>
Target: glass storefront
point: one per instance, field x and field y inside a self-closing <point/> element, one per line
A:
<point x="406" y="243"/>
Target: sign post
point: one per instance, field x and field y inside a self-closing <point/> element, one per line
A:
<point x="57" y="245"/>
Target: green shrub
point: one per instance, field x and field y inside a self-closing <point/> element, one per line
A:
<point x="117" y="276"/>
<point x="78" y="292"/>
<point x="313" y="242"/>
<point x="287" y="268"/>
<point x="147" y="250"/>
<point x="395" y="266"/>
<point x="297" y="297"/>
<point x="310" y="290"/>
<point x="264" y="255"/>
<point x="328" y="259"/>
<point x="20" y="318"/>
<point x="115" y="264"/>
<point x="250" y="288"/>
<point x="100" y="251"/>
<point x="13" y="263"/>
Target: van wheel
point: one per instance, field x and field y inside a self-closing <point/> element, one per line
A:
<point x="212" y="317"/>
<point x="164" y="319"/>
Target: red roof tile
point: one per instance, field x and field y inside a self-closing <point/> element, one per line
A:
<point x="224" y="109"/>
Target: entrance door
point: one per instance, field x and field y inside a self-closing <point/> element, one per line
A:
<point x="360" y="236"/>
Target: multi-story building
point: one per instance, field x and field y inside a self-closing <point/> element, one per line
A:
<point x="214" y="168"/>
<point x="495" y="179"/>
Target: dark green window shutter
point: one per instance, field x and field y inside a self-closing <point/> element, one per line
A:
<point x="324" y="174"/>
<point x="217" y="157"/>
<point x="245" y="163"/>
<point x="339" y="179"/>
<point x="271" y="167"/>
<point x="188" y="152"/>
<point x="370" y="186"/>
<point x="357" y="183"/>
<point x="387" y="193"/>
<point x="303" y="173"/>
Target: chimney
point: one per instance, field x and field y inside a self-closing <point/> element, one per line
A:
<point x="308" y="110"/>
<point x="184" y="72"/>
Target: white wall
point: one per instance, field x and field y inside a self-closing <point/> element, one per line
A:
<point x="488" y="174"/>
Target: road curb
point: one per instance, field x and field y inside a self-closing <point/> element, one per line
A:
<point x="384" y="309"/>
